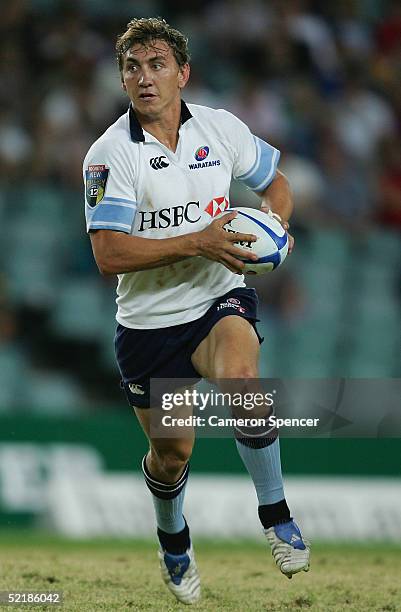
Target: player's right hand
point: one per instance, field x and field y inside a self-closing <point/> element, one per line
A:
<point x="217" y="244"/>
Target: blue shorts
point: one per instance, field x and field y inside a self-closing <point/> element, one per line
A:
<point x="166" y="352"/>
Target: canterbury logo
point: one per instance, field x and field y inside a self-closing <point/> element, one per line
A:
<point x="137" y="389"/>
<point x="158" y="163"/>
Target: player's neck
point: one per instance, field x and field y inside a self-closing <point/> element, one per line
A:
<point x="164" y="126"/>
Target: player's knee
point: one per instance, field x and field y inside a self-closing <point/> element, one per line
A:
<point x="172" y="465"/>
<point x="173" y="461"/>
<point x="240" y="370"/>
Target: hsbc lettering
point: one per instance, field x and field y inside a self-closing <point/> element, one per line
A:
<point x="169" y="217"/>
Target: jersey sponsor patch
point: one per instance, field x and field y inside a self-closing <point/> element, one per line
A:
<point x="96" y="179"/>
<point x="217" y="206"/>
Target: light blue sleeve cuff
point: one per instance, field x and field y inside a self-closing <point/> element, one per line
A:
<point x="264" y="168"/>
<point x="111" y="213"/>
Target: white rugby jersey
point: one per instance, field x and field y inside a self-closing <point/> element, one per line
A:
<point x="136" y="185"/>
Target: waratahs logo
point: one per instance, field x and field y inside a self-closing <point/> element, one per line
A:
<point x="201" y="153"/>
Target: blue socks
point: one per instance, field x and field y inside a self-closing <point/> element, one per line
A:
<point x="168" y="501"/>
<point x="264" y="467"/>
<point x="261" y="457"/>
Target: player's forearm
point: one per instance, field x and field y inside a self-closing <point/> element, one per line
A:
<point x="278" y="197"/>
<point x="118" y="253"/>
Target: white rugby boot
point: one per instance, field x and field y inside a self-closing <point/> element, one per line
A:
<point x="290" y="551"/>
<point x="180" y="574"/>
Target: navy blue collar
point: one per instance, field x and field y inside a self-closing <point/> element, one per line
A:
<point x="136" y="128"/>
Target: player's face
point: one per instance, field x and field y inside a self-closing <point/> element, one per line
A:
<point x="152" y="78"/>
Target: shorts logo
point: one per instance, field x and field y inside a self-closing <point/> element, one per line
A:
<point x="201" y="153"/>
<point x="158" y="163"/>
<point x="136" y="389"/>
<point x="95" y="183"/>
<point x="232" y="303"/>
<point x="217" y="206"/>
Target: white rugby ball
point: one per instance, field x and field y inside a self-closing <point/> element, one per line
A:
<point x="271" y="245"/>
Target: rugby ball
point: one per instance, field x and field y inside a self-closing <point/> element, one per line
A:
<point x="271" y="245"/>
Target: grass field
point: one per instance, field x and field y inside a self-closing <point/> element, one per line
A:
<point x="240" y="576"/>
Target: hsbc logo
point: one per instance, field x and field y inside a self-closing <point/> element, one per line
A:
<point x="169" y="217"/>
<point x="158" y="163"/>
<point x="217" y="206"/>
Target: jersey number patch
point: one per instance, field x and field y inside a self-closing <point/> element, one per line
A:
<point x="96" y="180"/>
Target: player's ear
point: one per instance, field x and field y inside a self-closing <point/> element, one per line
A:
<point x="123" y="85"/>
<point x="183" y="75"/>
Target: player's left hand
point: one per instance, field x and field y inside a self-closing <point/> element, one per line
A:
<point x="291" y="240"/>
<point x="285" y="224"/>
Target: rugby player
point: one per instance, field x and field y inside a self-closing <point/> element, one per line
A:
<point x="157" y="182"/>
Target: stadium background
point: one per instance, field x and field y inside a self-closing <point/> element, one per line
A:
<point x="321" y="81"/>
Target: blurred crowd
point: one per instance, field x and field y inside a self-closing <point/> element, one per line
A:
<point x="319" y="80"/>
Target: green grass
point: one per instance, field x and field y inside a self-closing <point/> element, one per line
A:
<point x="240" y="576"/>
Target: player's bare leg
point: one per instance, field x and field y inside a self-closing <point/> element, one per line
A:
<point x="233" y="336"/>
<point x="231" y="350"/>
<point x="165" y="469"/>
<point x="167" y="457"/>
